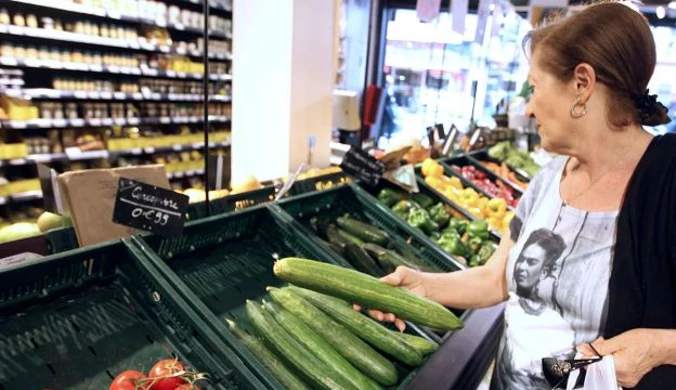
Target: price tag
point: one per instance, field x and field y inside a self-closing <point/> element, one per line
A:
<point x="149" y="208"/>
<point x="364" y="167"/>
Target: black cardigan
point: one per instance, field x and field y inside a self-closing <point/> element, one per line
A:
<point x="642" y="291"/>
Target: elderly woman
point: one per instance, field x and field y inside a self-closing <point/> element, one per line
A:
<point x="608" y="205"/>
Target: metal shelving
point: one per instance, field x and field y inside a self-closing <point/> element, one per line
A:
<point x="104" y="122"/>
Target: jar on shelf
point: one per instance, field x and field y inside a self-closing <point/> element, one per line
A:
<point x="19" y="20"/>
<point x="4" y="16"/>
<point x="48" y="23"/>
<point x="31" y="21"/>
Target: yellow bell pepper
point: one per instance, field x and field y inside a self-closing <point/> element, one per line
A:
<point x="495" y="223"/>
<point x="435" y="183"/>
<point x="436" y="170"/>
<point x="455" y="182"/>
<point x="477" y="212"/>
<point x="469" y="197"/>
<point x="496" y="208"/>
<point x="427" y="165"/>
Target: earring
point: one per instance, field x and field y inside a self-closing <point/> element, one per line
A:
<point x="576" y="114"/>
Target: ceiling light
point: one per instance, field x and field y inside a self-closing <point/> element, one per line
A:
<point x="491" y="7"/>
<point x="672" y="5"/>
<point x="660" y="12"/>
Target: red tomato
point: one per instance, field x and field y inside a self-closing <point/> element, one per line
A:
<point x="187" y="386"/>
<point x="164" y="368"/>
<point x="129" y="380"/>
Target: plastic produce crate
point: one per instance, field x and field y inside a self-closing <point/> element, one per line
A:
<point x="355" y="201"/>
<point x="424" y="189"/>
<point x="231" y="203"/>
<point x="319" y="183"/>
<point x="77" y="319"/>
<point x="222" y="261"/>
<point x="61" y="240"/>
<point x="470" y="160"/>
<point x="437" y="195"/>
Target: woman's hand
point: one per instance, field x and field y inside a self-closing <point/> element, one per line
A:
<point x="402" y="277"/>
<point x="635" y="353"/>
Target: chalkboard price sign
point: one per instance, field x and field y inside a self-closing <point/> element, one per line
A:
<point x="362" y="166"/>
<point x="150" y="208"/>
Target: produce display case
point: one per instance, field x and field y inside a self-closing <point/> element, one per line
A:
<point x="77" y="319"/>
<point x="463" y="161"/>
<point x="476" y="160"/>
<point x="231" y="202"/>
<point x="353" y="200"/>
<point x="319" y="183"/>
<point x="481" y="157"/>
<point x="222" y="261"/>
<point x="436" y="197"/>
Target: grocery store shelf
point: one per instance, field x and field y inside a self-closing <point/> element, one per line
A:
<point x="125" y="70"/>
<point x="55" y="94"/>
<point x="184" y="174"/>
<point x="79" y="123"/>
<point x="105" y="154"/>
<point x="140" y="44"/>
<point x="21" y="197"/>
<point x="113" y="15"/>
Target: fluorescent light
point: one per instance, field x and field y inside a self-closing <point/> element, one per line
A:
<point x="660" y="12"/>
<point x="672" y="5"/>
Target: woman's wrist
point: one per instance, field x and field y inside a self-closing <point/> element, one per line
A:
<point x="664" y="342"/>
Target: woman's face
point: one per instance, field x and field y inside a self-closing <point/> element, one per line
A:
<point x="529" y="266"/>
<point x="550" y="105"/>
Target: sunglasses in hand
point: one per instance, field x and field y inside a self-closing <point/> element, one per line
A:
<point x="557" y="371"/>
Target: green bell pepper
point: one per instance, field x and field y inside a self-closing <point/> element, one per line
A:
<point x="420" y="219"/>
<point x="459" y="225"/>
<point x="486" y="251"/>
<point x="475" y="261"/>
<point x="402" y="208"/>
<point x="439" y="214"/>
<point x="453" y="245"/>
<point x="478" y="229"/>
<point x="475" y="244"/>
<point x="390" y="197"/>
<point x="423" y="200"/>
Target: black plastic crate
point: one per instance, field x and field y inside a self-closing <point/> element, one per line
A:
<point x="222" y="261"/>
<point x="231" y="203"/>
<point x="353" y="200"/>
<point x="424" y="189"/>
<point x="319" y="183"/>
<point x="77" y="319"/>
<point x="472" y="161"/>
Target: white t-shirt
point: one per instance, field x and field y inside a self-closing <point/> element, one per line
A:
<point x="557" y="276"/>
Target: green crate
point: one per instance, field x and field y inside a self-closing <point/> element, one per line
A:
<point x="77" y="319"/>
<point x="222" y="261"/>
<point x="449" y="172"/>
<point x="231" y="202"/>
<point x="319" y="183"/>
<point x="358" y="203"/>
<point x="61" y="240"/>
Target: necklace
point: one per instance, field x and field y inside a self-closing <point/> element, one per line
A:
<point x="566" y="202"/>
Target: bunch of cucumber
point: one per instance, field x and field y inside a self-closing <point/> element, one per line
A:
<point x="367" y="248"/>
<point x="308" y="340"/>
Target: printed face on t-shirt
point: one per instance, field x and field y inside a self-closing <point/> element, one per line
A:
<point x="528" y="267"/>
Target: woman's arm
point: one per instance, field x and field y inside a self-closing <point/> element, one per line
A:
<point x="472" y="288"/>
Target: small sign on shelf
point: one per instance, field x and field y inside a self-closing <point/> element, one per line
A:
<point x="363" y="166"/>
<point x="150" y="208"/>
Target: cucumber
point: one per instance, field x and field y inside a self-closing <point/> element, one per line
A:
<point x="287" y="346"/>
<point x="268" y="359"/>
<point x="422" y="345"/>
<point x="405" y="251"/>
<point x="360" y="288"/>
<point x="349" y="237"/>
<point x="356" y="351"/>
<point x="363" y="230"/>
<point x="361" y="260"/>
<point x="388" y="259"/>
<point x="320" y="347"/>
<point x="369" y="330"/>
